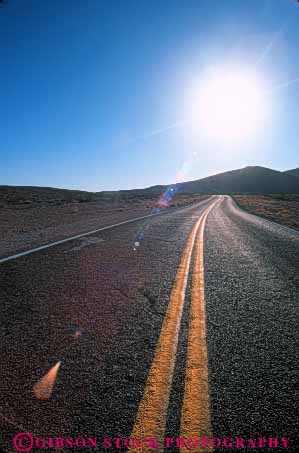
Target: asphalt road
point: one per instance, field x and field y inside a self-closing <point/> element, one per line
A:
<point x="96" y="306"/>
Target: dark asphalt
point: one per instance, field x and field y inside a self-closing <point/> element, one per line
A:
<point x="97" y="305"/>
<point x="252" y="296"/>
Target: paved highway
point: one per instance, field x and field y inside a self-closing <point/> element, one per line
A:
<point x="179" y="325"/>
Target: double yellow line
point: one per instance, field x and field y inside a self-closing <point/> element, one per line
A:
<point x="195" y="416"/>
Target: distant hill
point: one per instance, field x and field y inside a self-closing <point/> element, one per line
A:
<point x="251" y="180"/>
<point x="293" y="172"/>
<point x="245" y="180"/>
<point x="27" y="195"/>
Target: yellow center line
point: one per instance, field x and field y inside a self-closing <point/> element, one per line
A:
<point x="152" y="413"/>
<point x="195" y="416"/>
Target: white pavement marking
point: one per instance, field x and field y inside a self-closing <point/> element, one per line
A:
<point x="261" y="219"/>
<point x="62" y="241"/>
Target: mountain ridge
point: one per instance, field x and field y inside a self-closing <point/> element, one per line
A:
<point x="247" y="180"/>
<point x="250" y="179"/>
<point x="293" y="172"/>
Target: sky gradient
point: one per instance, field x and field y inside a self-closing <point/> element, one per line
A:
<point x="94" y="95"/>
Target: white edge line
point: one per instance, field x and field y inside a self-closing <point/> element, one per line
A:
<point x="62" y="241"/>
<point x="293" y="230"/>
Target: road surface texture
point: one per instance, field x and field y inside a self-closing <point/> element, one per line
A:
<point x="126" y="332"/>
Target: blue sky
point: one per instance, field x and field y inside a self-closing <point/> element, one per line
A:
<point x="94" y="94"/>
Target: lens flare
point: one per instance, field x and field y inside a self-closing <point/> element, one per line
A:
<point x="44" y="387"/>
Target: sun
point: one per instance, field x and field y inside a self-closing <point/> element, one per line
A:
<point x="229" y="106"/>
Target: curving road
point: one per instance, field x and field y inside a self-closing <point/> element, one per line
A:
<point x="141" y="338"/>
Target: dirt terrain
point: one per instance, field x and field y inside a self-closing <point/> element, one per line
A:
<point x="34" y="216"/>
<point x="97" y="310"/>
<point x="283" y="209"/>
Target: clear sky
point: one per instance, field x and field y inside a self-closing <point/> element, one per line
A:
<point x="96" y="94"/>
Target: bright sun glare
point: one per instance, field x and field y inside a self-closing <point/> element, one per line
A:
<point x="229" y="106"/>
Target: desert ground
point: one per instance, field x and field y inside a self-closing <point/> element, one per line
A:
<point x="84" y="325"/>
<point x="283" y="209"/>
<point x="30" y="217"/>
